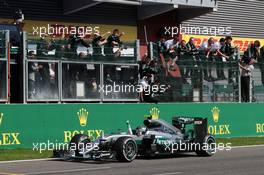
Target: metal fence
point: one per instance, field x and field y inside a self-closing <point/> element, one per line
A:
<point x="257" y="83"/>
<point x="4" y="40"/>
<point x="195" y="78"/>
<point x="55" y="73"/>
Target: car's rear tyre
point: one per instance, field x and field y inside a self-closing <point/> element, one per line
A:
<point x="78" y="144"/>
<point x="126" y="149"/>
<point x="208" y="147"/>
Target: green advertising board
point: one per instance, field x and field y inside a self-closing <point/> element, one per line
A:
<point x="21" y="126"/>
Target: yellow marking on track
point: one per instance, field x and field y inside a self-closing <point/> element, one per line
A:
<point x="5" y="173"/>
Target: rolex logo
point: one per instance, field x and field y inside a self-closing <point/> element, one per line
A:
<point x="1" y="118"/>
<point x="215" y="112"/>
<point x="154" y="112"/>
<point x="83" y="115"/>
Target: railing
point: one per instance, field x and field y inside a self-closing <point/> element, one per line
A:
<point x="82" y="75"/>
<point x="196" y="78"/>
<point x="127" y="52"/>
<point x="257" y="83"/>
<point x="202" y="81"/>
<point x="55" y="73"/>
<point x="4" y="40"/>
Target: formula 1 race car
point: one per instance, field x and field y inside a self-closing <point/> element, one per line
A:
<point x="154" y="138"/>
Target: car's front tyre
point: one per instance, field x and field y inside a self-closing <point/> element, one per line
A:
<point x="126" y="149"/>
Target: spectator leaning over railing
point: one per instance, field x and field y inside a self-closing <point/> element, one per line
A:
<point x="221" y="59"/>
<point x="172" y="48"/>
<point x="253" y="50"/>
<point x="229" y="51"/>
<point x="173" y="75"/>
<point x="190" y="57"/>
<point x="182" y="50"/>
<point x="209" y="50"/>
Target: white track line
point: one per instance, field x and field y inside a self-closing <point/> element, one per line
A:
<point x="28" y="160"/>
<point x="35" y="160"/>
<point x="67" y="171"/>
<point x="247" y="146"/>
<point x="1" y="173"/>
<point x="169" y="173"/>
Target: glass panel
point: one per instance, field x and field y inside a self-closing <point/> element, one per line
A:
<point x="42" y="81"/>
<point x="120" y="82"/>
<point x="2" y="45"/>
<point x="258" y="82"/>
<point x="3" y="80"/>
<point x="83" y="50"/>
<point x="80" y="81"/>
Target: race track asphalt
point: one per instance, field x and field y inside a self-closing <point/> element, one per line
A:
<point x="238" y="161"/>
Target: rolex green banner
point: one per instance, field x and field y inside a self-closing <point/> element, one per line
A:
<point x="22" y="126"/>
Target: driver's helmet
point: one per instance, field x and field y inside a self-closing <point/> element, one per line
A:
<point x="140" y="130"/>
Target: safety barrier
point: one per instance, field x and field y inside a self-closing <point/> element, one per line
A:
<point x="23" y="126"/>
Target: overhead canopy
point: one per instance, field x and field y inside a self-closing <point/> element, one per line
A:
<point x="146" y="8"/>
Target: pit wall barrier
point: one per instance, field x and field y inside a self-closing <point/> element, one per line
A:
<point x="23" y="126"/>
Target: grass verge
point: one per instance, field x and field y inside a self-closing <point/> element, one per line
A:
<point x="22" y="154"/>
<point x="242" y="141"/>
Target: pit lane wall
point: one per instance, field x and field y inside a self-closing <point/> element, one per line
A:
<point x="23" y="125"/>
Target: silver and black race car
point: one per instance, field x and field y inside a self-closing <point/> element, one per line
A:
<point x="155" y="137"/>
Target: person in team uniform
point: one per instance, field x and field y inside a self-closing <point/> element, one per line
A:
<point x="97" y="43"/>
<point x="183" y="51"/>
<point x="190" y="56"/>
<point x="113" y="41"/>
<point x="74" y="41"/>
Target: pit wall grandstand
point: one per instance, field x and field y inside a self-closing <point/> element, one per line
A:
<point x="23" y="125"/>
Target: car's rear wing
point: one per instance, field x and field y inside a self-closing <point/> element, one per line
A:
<point x="200" y="125"/>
